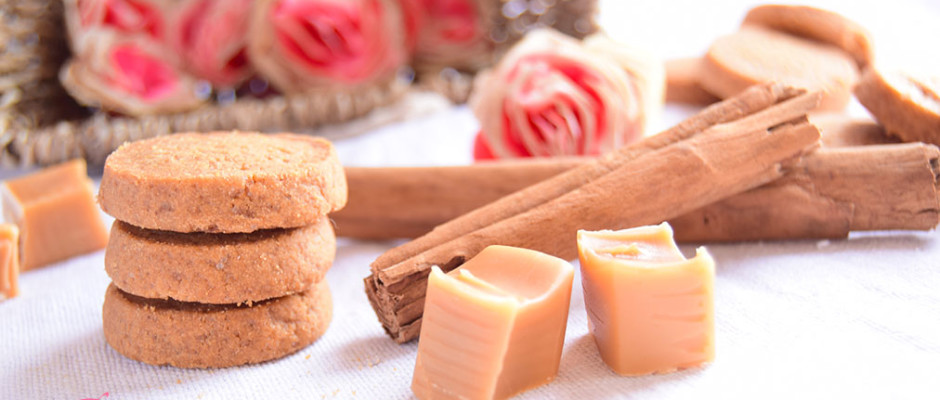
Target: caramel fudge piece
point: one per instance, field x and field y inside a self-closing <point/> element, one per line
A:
<point x="56" y="213"/>
<point x="9" y="260"/>
<point x="493" y="327"/>
<point x="193" y="335"/>
<point x="219" y="268"/>
<point x="223" y="182"/>
<point x="650" y="309"/>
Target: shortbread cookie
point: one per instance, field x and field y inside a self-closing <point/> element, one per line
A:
<point x="224" y="182"/>
<point x="840" y="130"/>
<point x="907" y="107"/>
<point x="193" y="335"/>
<point x="754" y="55"/>
<point x="682" y="83"/>
<point x="816" y="24"/>
<point x="219" y="268"/>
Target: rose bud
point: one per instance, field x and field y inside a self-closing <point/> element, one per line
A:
<point x="453" y="33"/>
<point x="132" y="76"/>
<point x="552" y="95"/>
<point x="127" y="17"/>
<point x="303" y="45"/>
<point x="211" y="37"/>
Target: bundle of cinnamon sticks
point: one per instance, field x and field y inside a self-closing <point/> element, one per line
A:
<point x="741" y="169"/>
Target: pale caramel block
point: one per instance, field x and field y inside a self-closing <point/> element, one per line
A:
<point x="223" y="182"/>
<point x="753" y="55"/>
<point x="493" y="327"/>
<point x="9" y="261"/>
<point x="650" y="310"/>
<point x="56" y="213"/>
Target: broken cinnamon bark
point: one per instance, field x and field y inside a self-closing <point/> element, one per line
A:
<point x="827" y="195"/>
<point x="728" y="148"/>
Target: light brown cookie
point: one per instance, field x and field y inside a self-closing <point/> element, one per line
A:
<point x="682" y="83"/>
<point x="754" y="55"/>
<point x="225" y="182"/>
<point x="907" y="107"/>
<point x="219" y="268"/>
<point x="840" y="130"/>
<point x="816" y="24"/>
<point x="192" y="335"/>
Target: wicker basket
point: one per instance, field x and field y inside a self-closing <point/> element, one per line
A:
<point x="40" y="124"/>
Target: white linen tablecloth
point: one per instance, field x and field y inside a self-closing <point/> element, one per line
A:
<point x="856" y="318"/>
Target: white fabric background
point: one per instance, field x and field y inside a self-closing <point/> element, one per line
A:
<point x="804" y="319"/>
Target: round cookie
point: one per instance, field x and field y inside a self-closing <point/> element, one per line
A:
<point x="219" y="268"/>
<point x="754" y="55"/>
<point x="192" y="335"/>
<point x="907" y="107"/>
<point x="223" y="182"/>
<point x="682" y="83"/>
<point x="815" y="24"/>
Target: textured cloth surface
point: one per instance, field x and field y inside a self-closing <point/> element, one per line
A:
<point x="800" y="319"/>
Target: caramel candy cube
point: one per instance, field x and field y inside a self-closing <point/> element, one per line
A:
<point x="493" y="327"/>
<point x="649" y="308"/>
<point x="9" y="261"/>
<point x="56" y="213"/>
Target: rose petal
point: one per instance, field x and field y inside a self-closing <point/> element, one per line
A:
<point x="141" y="74"/>
<point x="481" y="149"/>
<point x="125" y="16"/>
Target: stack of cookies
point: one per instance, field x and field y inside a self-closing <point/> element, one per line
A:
<point x="219" y="247"/>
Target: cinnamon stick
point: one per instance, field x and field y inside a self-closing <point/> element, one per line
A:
<point x="749" y="109"/>
<point x="407" y="202"/>
<point x="827" y="195"/>
<point x="840" y="130"/>
<point x="737" y="145"/>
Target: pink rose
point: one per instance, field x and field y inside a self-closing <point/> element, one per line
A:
<point x="211" y="37"/>
<point x="128" y="76"/>
<point x="452" y="33"/>
<point x="454" y="21"/>
<point x="124" y="16"/>
<point x="552" y="95"/>
<point x="413" y="16"/>
<point x="306" y="44"/>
